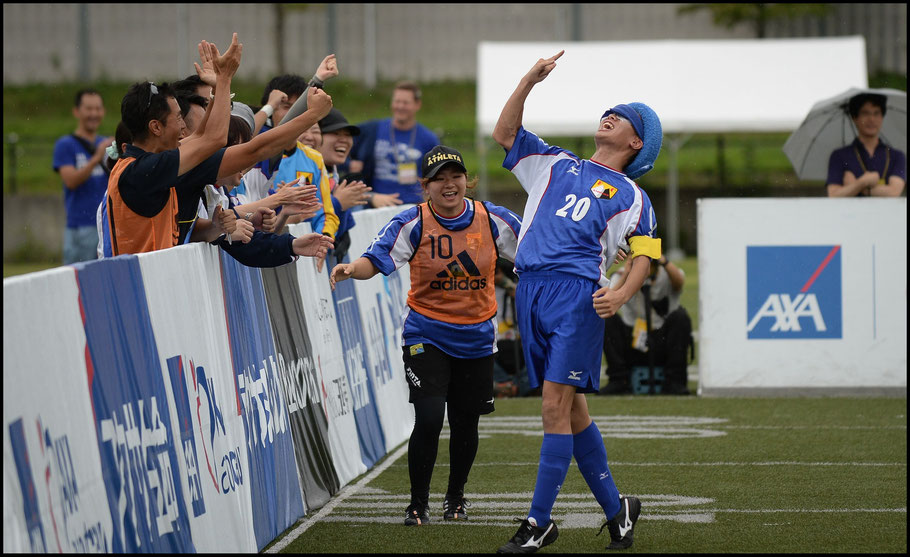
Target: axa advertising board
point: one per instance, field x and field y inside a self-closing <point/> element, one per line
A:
<point x="802" y="294"/>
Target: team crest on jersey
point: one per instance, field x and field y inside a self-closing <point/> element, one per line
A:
<point x="601" y="189"/>
<point x="307" y="177"/>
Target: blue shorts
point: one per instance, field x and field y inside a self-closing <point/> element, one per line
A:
<point x="561" y="334"/>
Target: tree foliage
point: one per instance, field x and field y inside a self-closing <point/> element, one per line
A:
<point x="758" y="16"/>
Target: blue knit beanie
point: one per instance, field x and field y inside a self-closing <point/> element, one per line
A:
<point x="652" y="139"/>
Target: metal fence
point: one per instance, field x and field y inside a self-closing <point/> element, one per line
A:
<point x="428" y="42"/>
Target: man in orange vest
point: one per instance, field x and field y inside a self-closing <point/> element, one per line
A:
<point x="142" y="202"/>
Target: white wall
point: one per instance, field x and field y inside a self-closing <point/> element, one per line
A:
<point x="845" y="331"/>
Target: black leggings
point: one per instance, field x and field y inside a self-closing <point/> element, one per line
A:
<point x="424" y="444"/>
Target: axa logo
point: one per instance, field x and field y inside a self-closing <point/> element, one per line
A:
<point x="793" y="292"/>
<point x="460" y="274"/>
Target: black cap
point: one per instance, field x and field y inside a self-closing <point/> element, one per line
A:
<point x="438" y="157"/>
<point x="335" y="121"/>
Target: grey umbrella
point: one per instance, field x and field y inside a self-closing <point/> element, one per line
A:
<point x="828" y="126"/>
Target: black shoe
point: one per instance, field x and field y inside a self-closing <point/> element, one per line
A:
<point x="416" y="515"/>
<point x="453" y="508"/>
<point x="616" y="388"/>
<point x="530" y="538"/>
<point x="621" y="525"/>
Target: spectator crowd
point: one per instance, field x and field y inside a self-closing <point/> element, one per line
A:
<point x="190" y="163"/>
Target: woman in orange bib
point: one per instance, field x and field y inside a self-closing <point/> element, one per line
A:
<point x="448" y="340"/>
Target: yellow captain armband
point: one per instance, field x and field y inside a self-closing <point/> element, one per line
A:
<point x="644" y="245"/>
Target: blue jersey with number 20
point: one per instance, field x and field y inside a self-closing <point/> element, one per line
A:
<point x="579" y="212"/>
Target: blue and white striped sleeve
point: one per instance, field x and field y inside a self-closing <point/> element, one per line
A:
<point x="395" y="242"/>
<point x="506" y="228"/>
<point x="530" y="159"/>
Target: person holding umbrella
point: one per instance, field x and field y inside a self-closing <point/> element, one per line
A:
<point x="868" y="166"/>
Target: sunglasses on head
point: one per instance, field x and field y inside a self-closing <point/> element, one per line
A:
<point x="153" y="90"/>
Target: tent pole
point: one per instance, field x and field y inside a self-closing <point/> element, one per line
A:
<point x="673" y="251"/>
<point x="481" y="146"/>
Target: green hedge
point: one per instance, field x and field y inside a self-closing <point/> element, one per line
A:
<point x="39" y="114"/>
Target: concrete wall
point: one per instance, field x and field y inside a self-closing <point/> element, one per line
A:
<point x="427" y="42"/>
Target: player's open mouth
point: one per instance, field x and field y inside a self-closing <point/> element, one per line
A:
<point x="450" y="194"/>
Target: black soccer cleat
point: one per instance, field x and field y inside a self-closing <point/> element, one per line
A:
<point x="453" y="508"/>
<point x="622" y="525"/>
<point x="530" y="538"/>
<point x="416" y="515"/>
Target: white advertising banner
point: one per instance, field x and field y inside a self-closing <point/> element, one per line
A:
<point x="382" y="300"/>
<point x="186" y="308"/>
<point x="54" y="499"/>
<point x="325" y="339"/>
<point x="802" y="295"/>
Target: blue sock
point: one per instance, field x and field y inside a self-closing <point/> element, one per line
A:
<point x="591" y="456"/>
<point x="555" y="457"/>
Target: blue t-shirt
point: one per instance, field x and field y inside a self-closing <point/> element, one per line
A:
<point x="886" y="160"/>
<point x="578" y="212"/>
<point x="394" y="246"/>
<point x="81" y="203"/>
<point x="307" y="162"/>
<point x="384" y="150"/>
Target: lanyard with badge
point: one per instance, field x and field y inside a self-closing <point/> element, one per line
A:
<point x="881" y="178"/>
<point x="407" y="169"/>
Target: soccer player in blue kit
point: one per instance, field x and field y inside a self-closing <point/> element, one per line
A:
<point x="578" y="214"/>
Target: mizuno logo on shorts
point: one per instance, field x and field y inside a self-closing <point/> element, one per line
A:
<point x="574" y="375"/>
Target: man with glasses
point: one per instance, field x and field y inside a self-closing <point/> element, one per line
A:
<point x="868" y="166"/>
<point x="142" y="196"/>
<point x="163" y="170"/>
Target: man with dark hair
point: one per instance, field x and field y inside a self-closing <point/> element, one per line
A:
<point x="868" y="166"/>
<point x="143" y="186"/>
<point x="292" y="86"/>
<point x="192" y="108"/>
<point x="78" y="158"/>
<point x="193" y="84"/>
<point x="388" y="150"/>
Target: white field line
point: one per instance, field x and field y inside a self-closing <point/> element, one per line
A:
<point x="844" y="427"/>
<point x="646" y="464"/>
<point x="530" y="425"/>
<point x="330" y="506"/>
<point x="593" y="519"/>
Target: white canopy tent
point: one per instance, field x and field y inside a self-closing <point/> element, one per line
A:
<point x="721" y="86"/>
